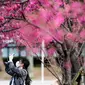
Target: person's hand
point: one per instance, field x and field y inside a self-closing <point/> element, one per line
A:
<point x="11" y="57"/>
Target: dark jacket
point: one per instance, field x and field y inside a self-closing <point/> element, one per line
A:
<point x="18" y="75"/>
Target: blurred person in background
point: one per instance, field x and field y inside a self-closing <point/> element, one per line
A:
<point x="19" y="72"/>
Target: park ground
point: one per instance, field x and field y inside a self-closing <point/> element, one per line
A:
<point x="34" y="82"/>
<point x="49" y="79"/>
<point x="36" y="74"/>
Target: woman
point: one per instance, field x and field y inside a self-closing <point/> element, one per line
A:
<point x="19" y="72"/>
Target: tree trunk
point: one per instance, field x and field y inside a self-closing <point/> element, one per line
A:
<point x="75" y="66"/>
<point x="71" y="67"/>
<point x="67" y="72"/>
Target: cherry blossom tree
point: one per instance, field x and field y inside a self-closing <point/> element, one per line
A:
<point x="60" y="23"/>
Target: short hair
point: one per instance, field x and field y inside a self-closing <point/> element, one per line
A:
<point x="25" y="62"/>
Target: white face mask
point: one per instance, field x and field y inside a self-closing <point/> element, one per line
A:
<point x="17" y="64"/>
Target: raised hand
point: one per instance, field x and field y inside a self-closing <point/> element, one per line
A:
<point x="11" y="57"/>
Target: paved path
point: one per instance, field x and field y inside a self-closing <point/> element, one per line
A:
<point x="34" y="82"/>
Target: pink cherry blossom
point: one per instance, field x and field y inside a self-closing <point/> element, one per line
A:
<point x="51" y="51"/>
<point x="71" y="36"/>
<point x="59" y="19"/>
<point x="82" y="34"/>
<point x="1" y="18"/>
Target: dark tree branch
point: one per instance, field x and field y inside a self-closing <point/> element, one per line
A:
<point x="9" y="30"/>
<point x="16" y="18"/>
<point x="69" y="24"/>
<point x="7" y="21"/>
<point x="64" y="49"/>
<point x="5" y="2"/>
<point x="80" y="50"/>
<point x="57" y="46"/>
<point x="63" y="25"/>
